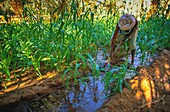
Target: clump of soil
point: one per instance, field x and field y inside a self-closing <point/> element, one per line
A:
<point x="150" y="89"/>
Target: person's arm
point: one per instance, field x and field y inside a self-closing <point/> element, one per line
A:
<point x="114" y="37"/>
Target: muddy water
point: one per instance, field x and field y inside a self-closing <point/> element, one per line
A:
<point x="85" y="97"/>
<point x="82" y="97"/>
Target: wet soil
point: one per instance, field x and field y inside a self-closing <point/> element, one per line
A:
<point x="150" y="91"/>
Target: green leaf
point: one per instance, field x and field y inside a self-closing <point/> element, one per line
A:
<point x="77" y="66"/>
<point x="65" y="72"/>
<point x="127" y="85"/>
<point x="120" y="85"/>
<point x="97" y="67"/>
<point x="116" y="76"/>
<point x="46" y="59"/>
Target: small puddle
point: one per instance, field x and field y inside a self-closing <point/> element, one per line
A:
<point x="83" y="97"/>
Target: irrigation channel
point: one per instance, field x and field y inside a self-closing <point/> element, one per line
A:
<point x="83" y="97"/>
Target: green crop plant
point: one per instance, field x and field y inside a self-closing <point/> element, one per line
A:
<point x="151" y="40"/>
<point x="93" y="66"/>
<point x="73" y="70"/>
<point x="115" y="78"/>
<point x="69" y="40"/>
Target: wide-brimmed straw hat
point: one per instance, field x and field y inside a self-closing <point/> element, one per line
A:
<point x="127" y="22"/>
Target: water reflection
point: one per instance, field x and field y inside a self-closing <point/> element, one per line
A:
<point x="86" y="97"/>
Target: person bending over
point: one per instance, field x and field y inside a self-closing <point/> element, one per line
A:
<point x="126" y="29"/>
